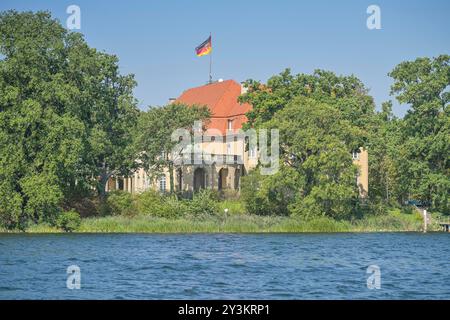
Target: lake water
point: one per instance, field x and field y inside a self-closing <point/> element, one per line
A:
<point x="226" y="266"/>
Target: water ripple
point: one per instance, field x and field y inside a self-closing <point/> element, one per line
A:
<point x="226" y="266"/>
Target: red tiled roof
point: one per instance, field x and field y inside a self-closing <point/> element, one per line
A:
<point x="222" y="100"/>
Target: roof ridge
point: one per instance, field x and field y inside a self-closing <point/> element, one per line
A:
<point x="208" y="84"/>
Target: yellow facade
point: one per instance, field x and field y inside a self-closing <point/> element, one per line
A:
<point x="361" y="159"/>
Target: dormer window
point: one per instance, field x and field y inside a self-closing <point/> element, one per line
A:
<point x="230" y="124"/>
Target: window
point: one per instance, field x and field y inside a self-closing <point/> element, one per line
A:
<point x="162" y="184"/>
<point x="213" y="138"/>
<point x="230" y="124"/>
<point x="355" y="155"/>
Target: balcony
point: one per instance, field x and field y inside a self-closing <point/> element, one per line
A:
<point x="208" y="159"/>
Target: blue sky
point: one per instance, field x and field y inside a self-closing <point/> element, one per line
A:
<point x="255" y="39"/>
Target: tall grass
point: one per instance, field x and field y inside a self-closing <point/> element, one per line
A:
<point x="246" y="224"/>
<point x="233" y="207"/>
<point x="234" y="221"/>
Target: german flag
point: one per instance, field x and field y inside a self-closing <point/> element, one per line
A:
<point x="205" y="48"/>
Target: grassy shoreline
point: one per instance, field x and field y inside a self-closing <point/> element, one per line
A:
<point x="240" y="223"/>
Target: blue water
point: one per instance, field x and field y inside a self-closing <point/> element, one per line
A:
<point x="226" y="266"/>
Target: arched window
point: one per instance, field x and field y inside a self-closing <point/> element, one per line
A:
<point x="199" y="179"/>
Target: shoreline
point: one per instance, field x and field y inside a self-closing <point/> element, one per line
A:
<point x="236" y="224"/>
<point x="206" y="233"/>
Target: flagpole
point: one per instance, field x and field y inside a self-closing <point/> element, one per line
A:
<point x="210" y="60"/>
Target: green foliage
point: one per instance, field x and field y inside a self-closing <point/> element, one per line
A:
<point x="321" y="119"/>
<point x="331" y="199"/>
<point x="233" y="207"/>
<point x="68" y="221"/>
<point x="424" y="152"/>
<point x="43" y="196"/>
<point x="121" y="203"/>
<point x="317" y="176"/>
<point x="269" y="195"/>
<point x="65" y="117"/>
<point x="347" y="93"/>
<point x="152" y="203"/>
<point x="385" y="183"/>
<point x="11" y="214"/>
<point x="203" y="203"/>
<point x="250" y="223"/>
<point x="174" y="207"/>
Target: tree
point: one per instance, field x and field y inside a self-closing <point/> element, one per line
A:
<point x="322" y="118"/>
<point x="113" y="117"/>
<point x="347" y="93"/>
<point x="424" y="85"/>
<point x="154" y="135"/>
<point x="383" y="142"/>
<point x="65" y="117"/>
<point x="316" y="140"/>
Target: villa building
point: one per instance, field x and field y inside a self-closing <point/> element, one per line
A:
<point x="224" y="153"/>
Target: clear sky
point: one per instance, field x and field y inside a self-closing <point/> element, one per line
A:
<point x="155" y="39"/>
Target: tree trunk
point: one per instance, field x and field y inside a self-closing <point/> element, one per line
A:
<point x="101" y="186"/>
<point x="171" y="176"/>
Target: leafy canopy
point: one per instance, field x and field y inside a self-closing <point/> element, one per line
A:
<point x="65" y="115"/>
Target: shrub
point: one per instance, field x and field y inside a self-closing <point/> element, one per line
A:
<point x="149" y="203"/>
<point x="42" y="197"/>
<point x="85" y="206"/>
<point x="270" y="195"/>
<point x="103" y="208"/>
<point x="121" y="203"/>
<point x="228" y="194"/>
<point x="11" y="215"/>
<point x="235" y="207"/>
<point x="255" y="203"/>
<point x="68" y="221"/>
<point x="333" y="200"/>
<point x="172" y="207"/>
<point x="372" y="207"/>
<point x="152" y="203"/>
<point x="203" y="202"/>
